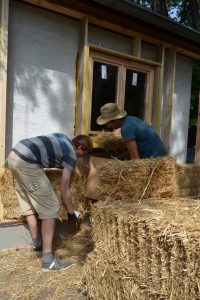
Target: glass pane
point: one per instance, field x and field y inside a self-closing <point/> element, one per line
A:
<point x="135" y="91"/>
<point x="104" y="89"/>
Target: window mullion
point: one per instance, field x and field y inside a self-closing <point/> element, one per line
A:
<point x="121" y="86"/>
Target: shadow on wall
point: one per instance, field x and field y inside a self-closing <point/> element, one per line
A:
<point x="41" y="72"/>
<point x="38" y="103"/>
<point x="178" y="140"/>
<point x="3" y="49"/>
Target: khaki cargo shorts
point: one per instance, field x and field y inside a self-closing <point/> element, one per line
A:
<point x="34" y="191"/>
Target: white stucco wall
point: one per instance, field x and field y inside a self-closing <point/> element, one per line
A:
<point x="110" y="40"/>
<point x="166" y="76"/>
<point x="42" y="54"/>
<point x="181" y="107"/>
<point x="148" y="51"/>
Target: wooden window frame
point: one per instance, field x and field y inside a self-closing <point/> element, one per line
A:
<point x="123" y="63"/>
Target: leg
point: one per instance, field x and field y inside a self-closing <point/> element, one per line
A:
<point x="50" y="262"/>
<point x="33" y="226"/>
<point x="48" y="226"/>
<point x="38" y="196"/>
<point x="32" y="221"/>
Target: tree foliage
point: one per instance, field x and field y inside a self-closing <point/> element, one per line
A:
<point x="186" y="12"/>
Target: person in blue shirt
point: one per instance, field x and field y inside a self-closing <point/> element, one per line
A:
<point x="142" y="141"/>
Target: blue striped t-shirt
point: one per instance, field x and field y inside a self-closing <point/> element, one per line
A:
<point x="51" y="151"/>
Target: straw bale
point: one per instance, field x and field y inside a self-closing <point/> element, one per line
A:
<point x="110" y="142"/>
<point x="119" y="221"/>
<point x="9" y="199"/>
<point x="77" y="190"/>
<point x="109" y="278"/>
<point x="1" y="209"/>
<point x="138" y="179"/>
<point x="188" y="178"/>
<point x="8" y="196"/>
<point x="158" y="242"/>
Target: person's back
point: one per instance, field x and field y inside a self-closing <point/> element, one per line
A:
<point x="141" y="140"/>
<point x="148" y="142"/>
<point x="52" y="151"/>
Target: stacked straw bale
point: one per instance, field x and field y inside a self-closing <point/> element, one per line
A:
<point x="9" y="207"/>
<point x="8" y="197"/>
<point x="146" y="251"/>
<point x="138" y="179"/>
<point x="110" y="142"/>
<point x="188" y="177"/>
<point x="109" y="279"/>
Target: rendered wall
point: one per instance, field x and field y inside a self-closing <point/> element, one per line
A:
<point x="180" y="108"/>
<point x="110" y="40"/>
<point x="148" y="51"/>
<point x="42" y="54"/>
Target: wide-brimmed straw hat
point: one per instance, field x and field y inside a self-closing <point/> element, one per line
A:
<point x="109" y="112"/>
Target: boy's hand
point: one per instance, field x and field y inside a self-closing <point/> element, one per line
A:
<point x="73" y="216"/>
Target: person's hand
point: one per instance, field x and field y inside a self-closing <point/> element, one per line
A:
<point x="75" y="220"/>
<point x="73" y="216"/>
<point x="123" y="156"/>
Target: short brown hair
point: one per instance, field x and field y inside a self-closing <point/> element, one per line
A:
<point x="83" y="140"/>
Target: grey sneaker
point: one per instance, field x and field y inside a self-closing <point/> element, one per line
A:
<point x="56" y="264"/>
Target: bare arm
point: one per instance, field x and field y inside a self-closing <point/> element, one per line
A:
<point x="65" y="190"/>
<point x="133" y="150"/>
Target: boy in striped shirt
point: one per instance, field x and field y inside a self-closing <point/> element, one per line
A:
<point x="36" y="196"/>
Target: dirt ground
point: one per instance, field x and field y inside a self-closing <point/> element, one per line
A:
<point x="21" y="276"/>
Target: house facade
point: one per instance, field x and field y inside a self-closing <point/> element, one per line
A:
<point x="60" y="61"/>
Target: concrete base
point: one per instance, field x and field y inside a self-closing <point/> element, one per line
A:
<point x="18" y="235"/>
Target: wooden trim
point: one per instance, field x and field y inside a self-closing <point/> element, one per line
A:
<point x="149" y="97"/>
<point x="103" y="23"/>
<point x="100" y="52"/>
<point x="167" y="117"/>
<point x="158" y="87"/>
<point x="57" y="8"/>
<point x="157" y="92"/>
<point x="161" y="54"/>
<point x="137" y="46"/>
<point x="4" y="8"/>
<point x="11" y="222"/>
<point x="76" y="121"/>
<point x="197" y="146"/>
<point x="90" y="87"/>
<point x="121" y="86"/>
<point x="144" y="37"/>
<point x="85" y="124"/>
<point x="81" y="108"/>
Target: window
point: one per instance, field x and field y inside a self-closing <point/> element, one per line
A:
<point x="104" y="89"/>
<point x="135" y="86"/>
<point x="126" y="82"/>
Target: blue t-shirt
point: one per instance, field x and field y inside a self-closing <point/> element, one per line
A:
<point x="148" y="142"/>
